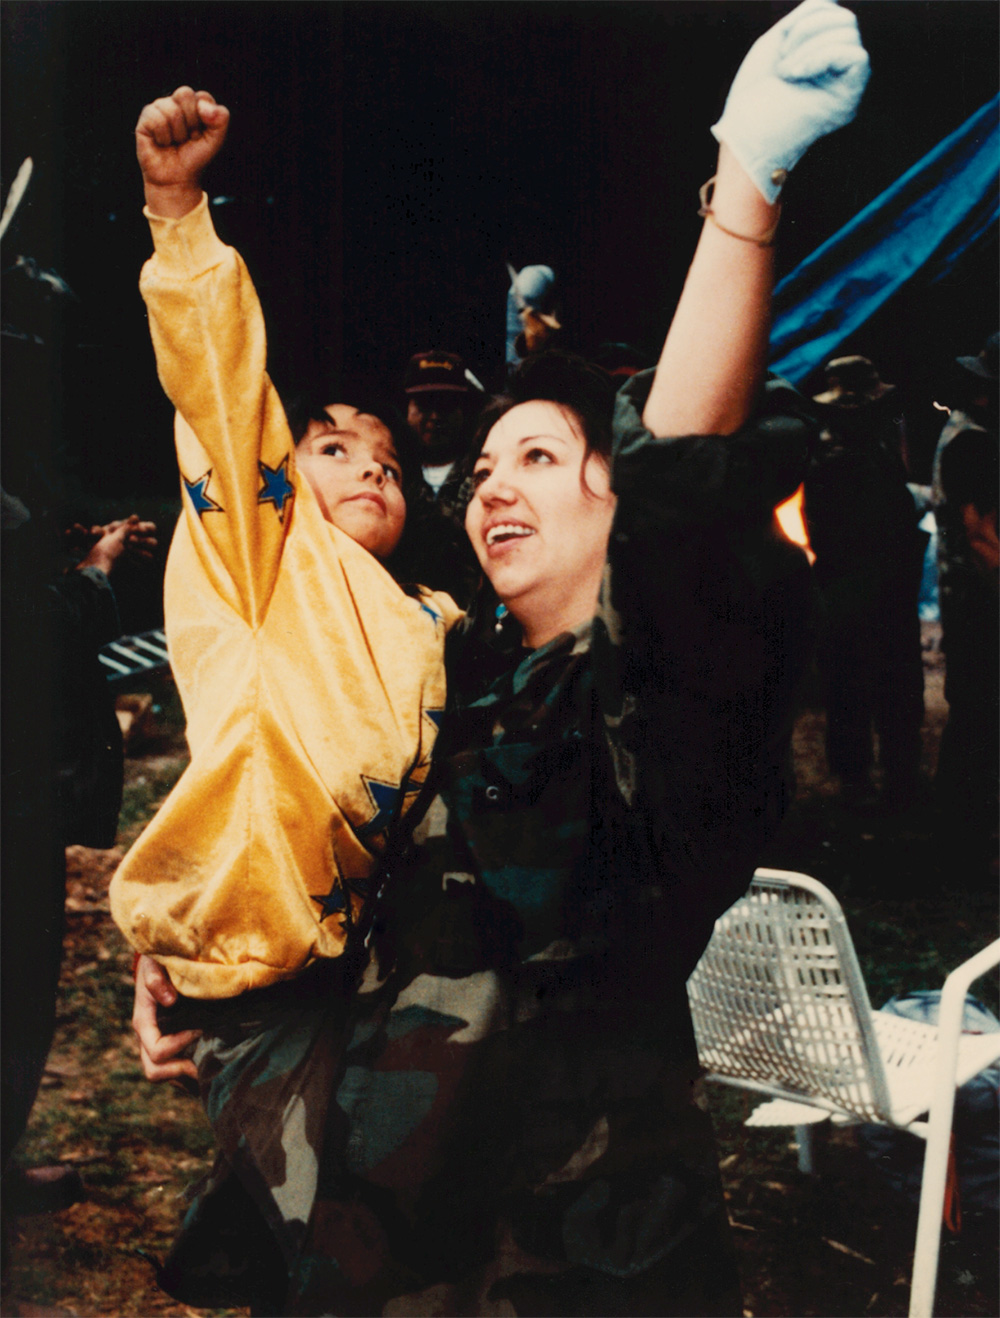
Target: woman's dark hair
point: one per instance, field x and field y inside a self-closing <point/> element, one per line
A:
<point x="566" y="380"/>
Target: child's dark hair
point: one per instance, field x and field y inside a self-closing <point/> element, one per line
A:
<point x="566" y="380"/>
<point x="302" y="408"/>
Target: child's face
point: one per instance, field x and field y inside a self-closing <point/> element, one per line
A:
<point x="352" y="468"/>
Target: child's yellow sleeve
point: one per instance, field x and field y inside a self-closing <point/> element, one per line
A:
<point x="234" y="448"/>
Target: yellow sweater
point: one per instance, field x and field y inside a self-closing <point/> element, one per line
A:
<point x="311" y="682"/>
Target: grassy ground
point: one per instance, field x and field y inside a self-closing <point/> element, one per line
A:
<point x="836" y="1244"/>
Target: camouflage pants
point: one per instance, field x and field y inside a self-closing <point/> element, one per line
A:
<point x="404" y="1166"/>
<point x="267" y="1063"/>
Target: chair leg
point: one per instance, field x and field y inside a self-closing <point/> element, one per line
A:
<point x="942" y="1108"/>
<point x="804" y="1139"/>
<point x="923" y="1283"/>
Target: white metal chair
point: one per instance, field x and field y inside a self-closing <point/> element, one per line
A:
<point x="780" y="1007"/>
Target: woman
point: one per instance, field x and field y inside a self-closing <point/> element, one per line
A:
<point x="513" y="1125"/>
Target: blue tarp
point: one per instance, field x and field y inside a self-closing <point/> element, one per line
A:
<point x="923" y="222"/>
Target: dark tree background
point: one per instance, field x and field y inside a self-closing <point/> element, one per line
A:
<point x="386" y="160"/>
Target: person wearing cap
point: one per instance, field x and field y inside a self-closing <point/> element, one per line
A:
<point x="869" y="549"/>
<point x="442" y="396"/>
<point x="437" y="392"/>
<point x="964" y="498"/>
<point x="854" y="388"/>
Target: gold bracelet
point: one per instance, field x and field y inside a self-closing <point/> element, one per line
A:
<point x="706" y="213"/>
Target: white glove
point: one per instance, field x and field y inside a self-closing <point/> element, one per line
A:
<point x="799" y="81"/>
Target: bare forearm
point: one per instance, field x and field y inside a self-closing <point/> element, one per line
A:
<point x="715" y="354"/>
<point x="172" y="202"/>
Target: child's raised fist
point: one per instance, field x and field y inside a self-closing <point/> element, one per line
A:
<point x="175" y="138"/>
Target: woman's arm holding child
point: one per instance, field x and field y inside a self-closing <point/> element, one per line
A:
<point x="158" y="1052"/>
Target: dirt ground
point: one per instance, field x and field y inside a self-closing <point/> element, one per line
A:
<point x="837" y="1243"/>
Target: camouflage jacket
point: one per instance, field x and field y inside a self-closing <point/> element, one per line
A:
<point x="619" y="783"/>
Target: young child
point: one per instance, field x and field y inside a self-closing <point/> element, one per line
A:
<point x="312" y="683"/>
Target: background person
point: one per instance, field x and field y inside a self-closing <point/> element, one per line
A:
<point x="974" y="392"/>
<point x="534" y="320"/>
<point x="440" y="404"/>
<point x="863" y="529"/>
<point x="966" y="773"/>
<point x="966" y="783"/>
<point x="63" y="769"/>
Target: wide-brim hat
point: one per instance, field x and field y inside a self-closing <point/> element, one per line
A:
<point x="435" y="373"/>
<point x="852" y="382"/>
<point x="985" y="364"/>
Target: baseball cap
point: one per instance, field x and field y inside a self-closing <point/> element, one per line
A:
<point x="435" y="372"/>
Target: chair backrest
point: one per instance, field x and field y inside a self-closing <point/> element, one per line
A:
<point x="779" y="1004"/>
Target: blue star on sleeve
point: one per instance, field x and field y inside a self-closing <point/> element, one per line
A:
<point x="331" y="903"/>
<point x="435" y="716"/>
<point x="426" y="608"/>
<point x="385" y="797"/>
<point x="277" y="488"/>
<point x="200" y="501"/>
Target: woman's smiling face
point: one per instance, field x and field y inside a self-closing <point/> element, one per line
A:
<point x="540" y="518"/>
